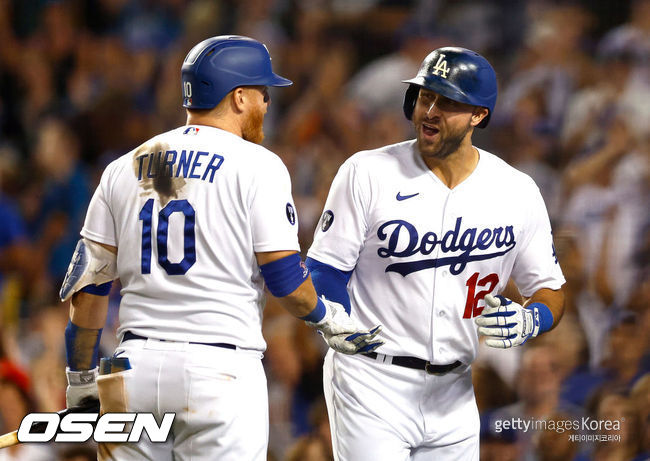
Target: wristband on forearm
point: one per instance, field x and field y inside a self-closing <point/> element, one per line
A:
<point x="545" y="316"/>
<point x="81" y="346"/>
<point x="317" y="314"/>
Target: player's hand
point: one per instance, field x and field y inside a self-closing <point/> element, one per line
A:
<point x="506" y="323"/>
<point x="342" y="333"/>
<point x="81" y="385"/>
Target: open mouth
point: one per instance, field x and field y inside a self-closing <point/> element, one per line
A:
<point x="429" y="130"/>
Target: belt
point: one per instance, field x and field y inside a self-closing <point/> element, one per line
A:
<point x="129" y="336"/>
<point x="418" y="364"/>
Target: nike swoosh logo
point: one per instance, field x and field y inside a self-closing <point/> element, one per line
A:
<point x="400" y="197"/>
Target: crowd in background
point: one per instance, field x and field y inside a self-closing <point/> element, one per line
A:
<point x="85" y="81"/>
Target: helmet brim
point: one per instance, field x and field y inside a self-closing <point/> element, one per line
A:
<point x="446" y="89"/>
<point x="276" y="80"/>
<point x="449" y="91"/>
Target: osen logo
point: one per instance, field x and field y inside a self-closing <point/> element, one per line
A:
<point x="107" y="428"/>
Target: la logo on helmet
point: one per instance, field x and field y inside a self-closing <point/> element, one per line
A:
<point x="441" y="67"/>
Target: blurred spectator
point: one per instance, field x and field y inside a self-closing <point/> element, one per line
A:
<point x="307" y="448"/>
<point x="554" y="444"/>
<point x="572" y="359"/>
<point x="538" y="385"/>
<point x="634" y="35"/>
<point x="626" y="357"/>
<point x="316" y="445"/>
<point x="15" y="403"/>
<point x="490" y="390"/>
<point x="282" y="362"/>
<point x="552" y="63"/>
<point x="498" y="443"/>
<point x="294" y="363"/>
<point x="617" y="407"/>
<point x="376" y="87"/>
<point x="14" y="249"/>
<point x="46" y="362"/>
<point x="624" y="362"/>
<point x="608" y="210"/>
<point x="593" y="110"/>
<point x="640" y="395"/>
<point x="60" y="196"/>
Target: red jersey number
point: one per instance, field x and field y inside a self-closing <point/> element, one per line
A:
<point x="489" y="282"/>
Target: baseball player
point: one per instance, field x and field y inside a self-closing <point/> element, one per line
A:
<point x="194" y="222"/>
<point x="421" y="237"/>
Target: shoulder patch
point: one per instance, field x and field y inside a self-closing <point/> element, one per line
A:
<point x="291" y="214"/>
<point x="327" y="220"/>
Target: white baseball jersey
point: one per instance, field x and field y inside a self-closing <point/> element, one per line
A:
<point x="187" y="211"/>
<point x="424" y="255"/>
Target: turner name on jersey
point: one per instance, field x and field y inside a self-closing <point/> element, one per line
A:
<point x="186" y="164"/>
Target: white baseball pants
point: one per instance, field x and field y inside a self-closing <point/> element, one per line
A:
<point x="219" y="396"/>
<point x="384" y="412"/>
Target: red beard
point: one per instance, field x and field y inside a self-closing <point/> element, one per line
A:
<point x="253" y="128"/>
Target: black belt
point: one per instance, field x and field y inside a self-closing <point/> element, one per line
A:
<point x="419" y="364"/>
<point x="128" y="336"/>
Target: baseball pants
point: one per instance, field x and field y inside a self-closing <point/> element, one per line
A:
<point x="384" y="412"/>
<point x="219" y="396"/>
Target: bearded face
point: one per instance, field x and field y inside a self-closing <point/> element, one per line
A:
<point x="441" y="124"/>
<point x="445" y="142"/>
<point x="253" y="126"/>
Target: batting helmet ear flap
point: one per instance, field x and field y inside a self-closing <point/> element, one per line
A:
<point x="410" y="98"/>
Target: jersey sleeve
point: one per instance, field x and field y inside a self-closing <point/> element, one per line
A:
<point x="341" y="231"/>
<point x="536" y="265"/>
<point x="99" y="225"/>
<point x="274" y="220"/>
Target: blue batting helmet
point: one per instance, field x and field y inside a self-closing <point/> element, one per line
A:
<point x="220" y="64"/>
<point x="458" y="74"/>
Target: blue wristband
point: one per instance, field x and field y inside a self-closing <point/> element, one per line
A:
<point x="331" y="282"/>
<point x="100" y="290"/>
<point x="77" y="343"/>
<point x="317" y="314"/>
<point x="284" y="275"/>
<point x="545" y="316"/>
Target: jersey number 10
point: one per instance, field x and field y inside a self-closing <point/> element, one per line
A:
<point x="189" y="248"/>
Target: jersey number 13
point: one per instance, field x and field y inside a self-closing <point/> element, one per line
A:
<point x="189" y="248"/>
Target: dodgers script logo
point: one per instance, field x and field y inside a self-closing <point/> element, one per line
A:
<point x="472" y="242"/>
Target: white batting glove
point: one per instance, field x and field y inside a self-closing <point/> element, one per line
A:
<point x="82" y="385"/>
<point x="344" y="334"/>
<point x="507" y="324"/>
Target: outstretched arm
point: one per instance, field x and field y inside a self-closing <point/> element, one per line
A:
<point x="287" y="278"/>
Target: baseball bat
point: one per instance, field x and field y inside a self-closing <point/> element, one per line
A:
<point x="87" y="405"/>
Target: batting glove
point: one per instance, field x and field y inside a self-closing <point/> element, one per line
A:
<point x="507" y="324"/>
<point x="344" y="334"/>
<point x="82" y="385"/>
